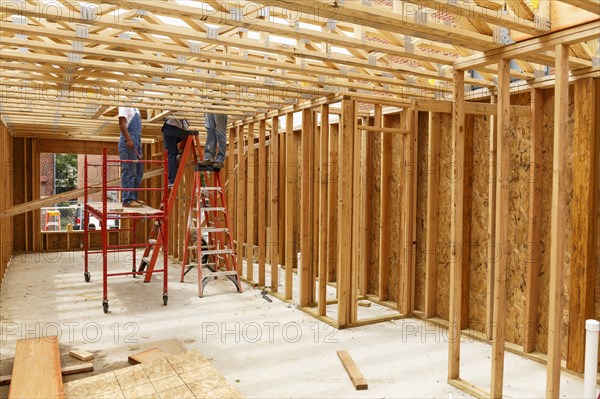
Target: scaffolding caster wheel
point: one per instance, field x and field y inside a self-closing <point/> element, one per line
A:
<point x="165" y="299"/>
<point x="105" y="306"/>
<point x="87" y="276"/>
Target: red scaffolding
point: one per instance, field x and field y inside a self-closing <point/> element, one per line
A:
<point x="105" y="211"/>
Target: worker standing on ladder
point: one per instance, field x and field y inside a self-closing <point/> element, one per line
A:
<point x="130" y="148"/>
<point x="174" y="132"/>
<point x="216" y="140"/>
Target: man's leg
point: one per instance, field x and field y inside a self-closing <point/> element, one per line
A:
<point x="171" y="147"/>
<point x="127" y="174"/>
<point x="221" y="137"/>
<point x="138" y="167"/>
<point x="211" y="140"/>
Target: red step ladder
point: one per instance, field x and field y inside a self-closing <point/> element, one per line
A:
<point x="208" y="215"/>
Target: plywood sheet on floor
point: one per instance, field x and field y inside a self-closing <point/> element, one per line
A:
<point x="184" y="375"/>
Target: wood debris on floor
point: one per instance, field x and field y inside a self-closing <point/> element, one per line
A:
<point x="184" y="375"/>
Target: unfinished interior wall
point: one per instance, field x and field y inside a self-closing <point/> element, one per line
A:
<point x="6" y="199"/>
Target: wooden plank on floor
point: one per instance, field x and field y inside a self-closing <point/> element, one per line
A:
<point x="501" y="256"/>
<point x="81" y="355"/>
<point x="433" y="184"/>
<point x="305" y="210"/>
<point x="36" y="371"/>
<point x="274" y="198"/>
<point x="323" y="217"/>
<point x="354" y="373"/>
<point x="262" y="201"/>
<point x="458" y="138"/>
<point x="534" y="230"/>
<point x="384" y="209"/>
<point x="146" y="356"/>
<point x="557" y="240"/>
<point x="69" y="370"/>
<point x="584" y="213"/>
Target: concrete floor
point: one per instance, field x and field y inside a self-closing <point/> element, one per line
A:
<point x="265" y="350"/>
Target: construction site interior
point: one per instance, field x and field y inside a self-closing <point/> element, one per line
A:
<point x="409" y="204"/>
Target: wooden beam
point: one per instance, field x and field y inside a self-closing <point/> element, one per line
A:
<point x="62" y="197"/>
<point x="557" y="243"/>
<point x="577" y="34"/>
<point x="503" y="252"/>
<point x="251" y="205"/>
<point x="275" y="198"/>
<point x="241" y="199"/>
<point x="584" y="217"/>
<point x="323" y="206"/>
<point x="491" y="250"/>
<point x="592" y="6"/>
<point x="305" y="271"/>
<point x="366" y="175"/>
<point x="466" y="181"/>
<point x="535" y="220"/>
<point x="262" y="201"/>
<point x="345" y="229"/>
<point x="353" y="372"/>
<point x="384" y="208"/>
<point x="456" y="234"/>
<point x="332" y="204"/>
<point x="291" y="180"/>
<point x="433" y="185"/>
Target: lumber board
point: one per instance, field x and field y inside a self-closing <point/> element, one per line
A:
<point x="384" y="210"/>
<point x="241" y="200"/>
<point x="332" y="202"/>
<point x="491" y="252"/>
<point x="456" y="233"/>
<point x="68" y="370"/>
<point x="306" y="280"/>
<point x="53" y="199"/>
<point x="147" y="355"/>
<point x="433" y="184"/>
<point x="36" y="371"/>
<point x="262" y="201"/>
<point x="502" y="203"/>
<point x="323" y="206"/>
<point x="535" y="221"/>
<point x="251" y="204"/>
<point x="584" y="216"/>
<point x="557" y="240"/>
<point x="81" y="354"/>
<point x="274" y="198"/>
<point x="353" y="371"/>
<point x="366" y="175"/>
<point x="345" y="229"/>
<point x="291" y="180"/>
<point x="466" y="180"/>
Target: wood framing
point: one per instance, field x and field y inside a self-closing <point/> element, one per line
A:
<point x="261" y="200"/>
<point x="306" y="261"/>
<point x="433" y="183"/>
<point x="323" y="206"/>
<point x="291" y="174"/>
<point x="274" y="198"/>
<point x="557" y="246"/>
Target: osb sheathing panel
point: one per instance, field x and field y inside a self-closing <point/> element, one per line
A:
<point x="480" y="237"/>
<point x="422" y="175"/>
<point x="519" y="143"/>
<point x="543" y="282"/>
<point x="445" y="189"/>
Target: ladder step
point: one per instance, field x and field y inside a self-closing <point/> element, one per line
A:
<point x="213" y="209"/>
<point x="152" y="241"/>
<point x="214" y="251"/>
<point x="209" y="273"/>
<point x="215" y="230"/>
<point x="207" y="189"/>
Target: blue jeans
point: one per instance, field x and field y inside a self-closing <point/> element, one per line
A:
<point x="131" y="173"/>
<point x="216" y="139"/>
<point x="172" y="135"/>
